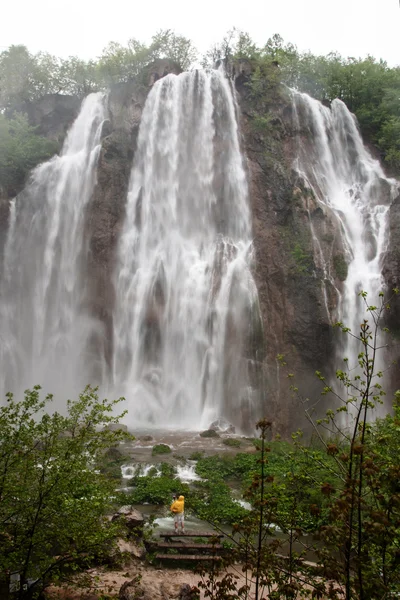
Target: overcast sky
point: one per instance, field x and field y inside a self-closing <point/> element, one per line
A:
<point x="84" y="27"/>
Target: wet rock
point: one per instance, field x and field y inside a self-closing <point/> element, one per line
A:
<point x="132" y="518"/>
<point x="52" y="114"/>
<point x="222" y="426"/>
<point x="209" y="433"/>
<point x="116" y="427"/>
<point x="171" y="591"/>
<point x="189" y="593"/>
<point x="146" y="438"/>
<point x="134" y="590"/>
<point x="136" y="549"/>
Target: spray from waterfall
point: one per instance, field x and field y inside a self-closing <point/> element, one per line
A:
<point x="185" y="297"/>
<point x="45" y="326"/>
<point x="351" y="187"/>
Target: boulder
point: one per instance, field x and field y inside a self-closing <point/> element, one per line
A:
<point x="222" y="426"/>
<point x="134" y="590"/>
<point x="209" y="433"/>
<point x="171" y="591"/>
<point x="136" y="549"/>
<point x="132" y="518"/>
<point x="116" y="427"/>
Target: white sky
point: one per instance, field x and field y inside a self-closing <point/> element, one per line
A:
<point x="84" y="27"/>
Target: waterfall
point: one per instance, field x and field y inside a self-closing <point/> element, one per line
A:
<point x="45" y="326"/>
<point x="186" y="302"/>
<point x="351" y="187"/>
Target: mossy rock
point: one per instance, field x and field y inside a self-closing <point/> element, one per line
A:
<point x="209" y="433"/>
<point x="161" y="449"/>
<point x="340" y="266"/>
<point x="231" y="442"/>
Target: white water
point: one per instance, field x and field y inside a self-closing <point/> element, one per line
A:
<point x="185" y="473"/>
<point x="352" y="186"/>
<point x="45" y="326"/>
<point x="184" y="292"/>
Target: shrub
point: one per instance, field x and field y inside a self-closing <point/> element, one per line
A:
<point x="161" y="449"/>
<point x="209" y="433"/>
<point x="232" y="442"/>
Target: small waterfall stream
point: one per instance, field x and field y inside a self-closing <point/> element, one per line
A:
<point x="350" y="185"/>
<point x="45" y="326"/>
<point x="186" y="300"/>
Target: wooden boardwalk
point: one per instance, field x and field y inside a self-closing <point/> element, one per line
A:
<point x="210" y="550"/>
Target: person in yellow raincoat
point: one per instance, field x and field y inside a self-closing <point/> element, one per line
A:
<point x="178" y="508"/>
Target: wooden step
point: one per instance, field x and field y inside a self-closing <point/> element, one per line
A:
<point x="192" y="534"/>
<point x="191" y="546"/>
<point x="188" y="557"/>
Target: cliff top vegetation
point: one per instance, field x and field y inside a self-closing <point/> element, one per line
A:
<point x="370" y="88"/>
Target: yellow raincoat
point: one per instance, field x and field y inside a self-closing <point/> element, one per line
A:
<point x="179" y="505"/>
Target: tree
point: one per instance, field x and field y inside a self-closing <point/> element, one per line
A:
<point x="53" y="501"/>
<point x="79" y="77"/>
<point x="343" y="488"/>
<point x="177" y="48"/>
<point x="25" y="77"/>
<point x="21" y="149"/>
<point x="360" y="545"/>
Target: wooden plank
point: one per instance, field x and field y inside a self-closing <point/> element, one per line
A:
<point x="191" y="546"/>
<point x="188" y="557"/>
<point x="192" y="534"/>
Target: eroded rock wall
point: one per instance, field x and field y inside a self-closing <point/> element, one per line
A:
<point x="290" y="283"/>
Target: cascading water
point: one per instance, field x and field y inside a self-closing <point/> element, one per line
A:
<point x="45" y="327"/>
<point x="186" y="301"/>
<point x="348" y="183"/>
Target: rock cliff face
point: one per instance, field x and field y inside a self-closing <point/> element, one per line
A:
<point x="391" y="273"/>
<point x="295" y="320"/>
<point x="106" y="211"/>
<point x="296" y="303"/>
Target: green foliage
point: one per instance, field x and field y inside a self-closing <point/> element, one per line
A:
<point x="21" y="149"/>
<point x="209" y="433"/>
<point x="343" y="487"/>
<point x="111" y="462"/>
<point x="155" y="489"/>
<point x="304" y="260"/>
<point x="196" y="455"/>
<point x="232" y="442"/>
<point x="340" y="266"/>
<point x="53" y="501"/>
<point x="212" y="501"/>
<point x="26" y="77"/>
<point x="161" y="449"/>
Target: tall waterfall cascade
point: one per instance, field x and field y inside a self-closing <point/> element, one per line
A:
<point x="349" y="184"/>
<point x="186" y="303"/>
<point x="45" y="325"/>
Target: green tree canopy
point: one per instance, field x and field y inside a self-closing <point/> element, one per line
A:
<point x="21" y="149"/>
<point x="53" y="501"/>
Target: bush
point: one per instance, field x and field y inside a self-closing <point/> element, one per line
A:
<point x="232" y="442"/>
<point x="196" y="455"/>
<point x="156" y="490"/>
<point x="161" y="449"/>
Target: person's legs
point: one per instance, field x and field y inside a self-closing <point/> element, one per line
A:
<point x="176" y="521"/>
<point x="182" y="522"/>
